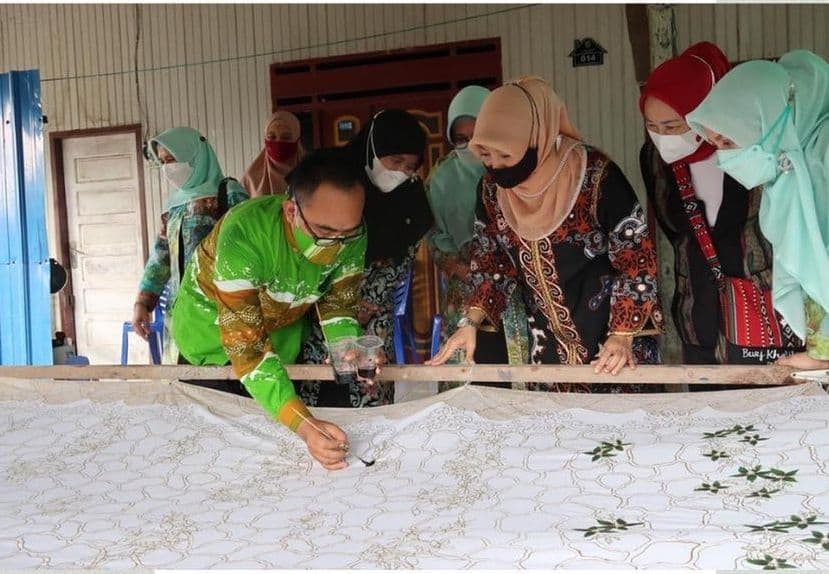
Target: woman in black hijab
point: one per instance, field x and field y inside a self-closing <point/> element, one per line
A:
<point x="390" y="149"/>
<point x="397" y="213"/>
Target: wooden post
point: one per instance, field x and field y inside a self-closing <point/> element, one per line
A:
<point x="662" y="24"/>
<point x="640" y="40"/>
<point x="652" y="36"/>
<point x="662" y="44"/>
<point x="662" y="28"/>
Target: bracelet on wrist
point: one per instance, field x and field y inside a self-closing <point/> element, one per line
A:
<point x="467" y="322"/>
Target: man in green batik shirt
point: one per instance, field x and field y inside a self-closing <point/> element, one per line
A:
<point x="266" y="263"/>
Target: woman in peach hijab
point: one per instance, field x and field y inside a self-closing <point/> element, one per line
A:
<point x="282" y="151"/>
<point x="562" y="224"/>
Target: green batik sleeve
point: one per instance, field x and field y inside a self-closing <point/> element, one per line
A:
<point x="817" y="331"/>
<point x="339" y="306"/>
<point x="238" y="279"/>
<point x="157" y="270"/>
<point x="236" y="194"/>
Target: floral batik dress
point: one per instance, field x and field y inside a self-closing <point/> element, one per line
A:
<point x="593" y="276"/>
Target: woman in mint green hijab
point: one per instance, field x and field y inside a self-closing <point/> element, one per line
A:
<point x="770" y="122"/>
<point x="194" y="177"/>
<point x="452" y="185"/>
<point x="452" y="189"/>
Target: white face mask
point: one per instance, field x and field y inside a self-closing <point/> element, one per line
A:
<point x="386" y="180"/>
<point x="177" y="173"/>
<point x="675" y="147"/>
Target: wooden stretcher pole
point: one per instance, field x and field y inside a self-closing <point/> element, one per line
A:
<point x="642" y="375"/>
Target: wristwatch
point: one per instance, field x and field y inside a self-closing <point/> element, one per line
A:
<point x="467" y="322"/>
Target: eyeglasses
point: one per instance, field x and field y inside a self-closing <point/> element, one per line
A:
<point x="329" y="241"/>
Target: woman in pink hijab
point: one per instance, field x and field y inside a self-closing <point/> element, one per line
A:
<point x="282" y="151"/>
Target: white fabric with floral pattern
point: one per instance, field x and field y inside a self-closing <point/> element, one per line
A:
<point x="155" y="475"/>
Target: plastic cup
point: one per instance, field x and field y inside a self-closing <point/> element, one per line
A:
<point x="368" y="348"/>
<point x="342" y="353"/>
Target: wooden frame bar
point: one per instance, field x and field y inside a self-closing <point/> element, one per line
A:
<point x="643" y="374"/>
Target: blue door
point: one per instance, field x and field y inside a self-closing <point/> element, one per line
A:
<point x="25" y="312"/>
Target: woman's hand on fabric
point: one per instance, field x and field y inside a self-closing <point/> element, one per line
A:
<point x="329" y="452"/>
<point x="141" y="319"/>
<point x="616" y="352"/>
<point x="464" y="339"/>
<point x="367" y="312"/>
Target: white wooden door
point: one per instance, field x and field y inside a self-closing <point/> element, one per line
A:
<point x="104" y="224"/>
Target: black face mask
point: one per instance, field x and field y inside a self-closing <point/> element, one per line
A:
<point x="509" y="177"/>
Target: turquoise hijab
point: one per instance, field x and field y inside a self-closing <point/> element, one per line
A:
<point x="187" y="145"/>
<point x="782" y="110"/>
<point x="452" y="185"/>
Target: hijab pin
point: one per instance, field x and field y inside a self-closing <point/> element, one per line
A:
<point x="790" y="97"/>
<point x="784" y="164"/>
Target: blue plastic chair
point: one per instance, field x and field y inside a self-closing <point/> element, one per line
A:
<point x="437" y="324"/>
<point x="437" y="320"/>
<point x="77" y="360"/>
<point x="156" y="329"/>
<point x="404" y="334"/>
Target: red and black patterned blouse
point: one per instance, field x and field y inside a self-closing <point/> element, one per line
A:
<point x="593" y="276"/>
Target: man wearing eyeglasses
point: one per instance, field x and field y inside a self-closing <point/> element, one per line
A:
<point x="266" y="263"/>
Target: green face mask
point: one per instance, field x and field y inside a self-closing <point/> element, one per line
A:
<point x="755" y="165"/>
<point x="316" y="254"/>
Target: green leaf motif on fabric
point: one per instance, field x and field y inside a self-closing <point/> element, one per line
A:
<point x="713" y="487"/>
<point x="717" y="434"/>
<point x="803" y="523"/>
<point x="763" y="493"/>
<point x="606" y="450"/>
<point x="716" y="455"/>
<point x="794" y="521"/>
<point x="750" y="474"/>
<point x="752" y="439"/>
<point x="769" y="562"/>
<point x="608" y="527"/>
<point x="780" y="476"/>
<point x="819" y="538"/>
<point x="736" y="429"/>
<point x="770" y="527"/>
<point x="773" y="474"/>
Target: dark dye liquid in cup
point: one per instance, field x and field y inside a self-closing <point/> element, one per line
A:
<point x="368" y="373"/>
